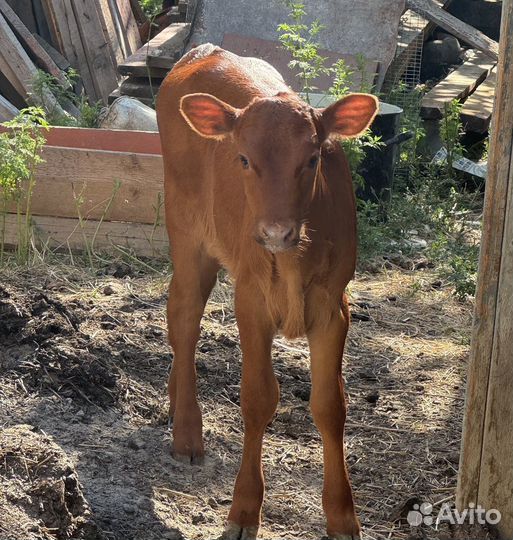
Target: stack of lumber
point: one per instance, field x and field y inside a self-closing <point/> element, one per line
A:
<point x="145" y="70"/>
<point x="95" y="36"/>
<point x="474" y="78"/>
<point x="91" y="36"/>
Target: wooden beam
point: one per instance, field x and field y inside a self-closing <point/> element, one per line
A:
<point x="486" y="463"/>
<point x="7" y="110"/>
<point x="44" y="59"/>
<point x="140" y="87"/>
<point x="430" y="10"/>
<point x="172" y="40"/>
<point x="65" y="234"/>
<point x="138" y="12"/>
<point x="476" y="113"/>
<point x="99" y="56"/>
<point x="457" y="85"/>
<point x="129" y="26"/>
<point x="61" y="62"/>
<point x="137" y="64"/>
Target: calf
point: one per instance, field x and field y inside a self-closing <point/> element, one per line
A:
<point x="256" y="182"/>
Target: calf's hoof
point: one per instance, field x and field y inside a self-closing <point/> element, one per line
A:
<point x="188" y="459"/>
<point x="236" y="532"/>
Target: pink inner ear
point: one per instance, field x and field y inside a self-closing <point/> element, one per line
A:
<point x="206" y="115"/>
<point x="353" y="114"/>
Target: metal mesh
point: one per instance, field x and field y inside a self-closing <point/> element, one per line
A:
<point x="401" y="86"/>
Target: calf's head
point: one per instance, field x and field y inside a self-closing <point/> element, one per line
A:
<point x="278" y="142"/>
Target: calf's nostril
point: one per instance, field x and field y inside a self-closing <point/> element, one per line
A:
<point x="289" y="234"/>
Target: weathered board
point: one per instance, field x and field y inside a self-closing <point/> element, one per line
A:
<point x="7" y="110"/>
<point x="168" y="46"/>
<point x="101" y="64"/>
<point x="140" y="87"/>
<point x="457" y="85"/>
<point x="70" y="175"/>
<point x="65" y="234"/>
<point x="476" y="113"/>
<point x="128" y="25"/>
<point x="138" y="65"/>
<point x="486" y="463"/>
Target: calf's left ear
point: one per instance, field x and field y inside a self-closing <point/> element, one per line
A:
<point x="350" y="116"/>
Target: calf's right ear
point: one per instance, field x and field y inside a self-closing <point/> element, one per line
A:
<point x="208" y="116"/>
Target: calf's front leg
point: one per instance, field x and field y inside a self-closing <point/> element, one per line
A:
<point x="258" y="398"/>
<point x="328" y="407"/>
<point x="193" y="278"/>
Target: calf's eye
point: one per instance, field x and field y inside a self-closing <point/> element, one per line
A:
<point x="312" y="163"/>
<point x="244" y="161"/>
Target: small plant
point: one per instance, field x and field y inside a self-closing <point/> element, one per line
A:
<point x="151" y="7"/>
<point x="20" y="153"/>
<point x="450" y="131"/>
<point x="87" y="114"/>
<point x="300" y="40"/>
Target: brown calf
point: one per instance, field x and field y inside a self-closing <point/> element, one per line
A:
<point x="253" y="183"/>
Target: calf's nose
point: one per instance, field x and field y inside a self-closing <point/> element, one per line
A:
<point x="278" y="236"/>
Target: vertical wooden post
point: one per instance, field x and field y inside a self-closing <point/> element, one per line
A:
<point x="486" y="464"/>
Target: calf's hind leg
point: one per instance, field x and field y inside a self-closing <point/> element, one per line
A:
<point x="194" y="276"/>
<point x="328" y="406"/>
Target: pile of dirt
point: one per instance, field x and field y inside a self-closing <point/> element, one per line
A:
<point x="40" y="494"/>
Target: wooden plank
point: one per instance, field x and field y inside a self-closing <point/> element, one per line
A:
<point x="68" y="173"/>
<point x="66" y="35"/>
<point x="118" y="140"/>
<point x="138" y="12"/>
<point x="7" y="110"/>
<point x="129" y="26"/>
<point x="172" y="40"/>
<point x="476" y="113"/>
<point x="19" y="69"/>
<point x="61" y="62"/>
<point x="43" y="58"/>
<point x="430" y="10"/>
<point x="486" y="464"/>
<point x="97" y="48"/>
<point x="137" y="65"/>
<point x="110" y="24"/>
<point x="457" y="85"/>
<point x="65" y="234"/>
<point x="140" y="87"/>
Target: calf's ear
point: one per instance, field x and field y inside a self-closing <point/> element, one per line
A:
<point x="350" y="116"/>
<point x="208" y="116"/>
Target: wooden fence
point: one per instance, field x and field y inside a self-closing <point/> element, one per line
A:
<point x="486" y="465"/>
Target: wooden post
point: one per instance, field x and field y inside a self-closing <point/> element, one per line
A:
<point x="486" y="464"/>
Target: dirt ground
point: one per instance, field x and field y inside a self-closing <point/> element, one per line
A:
<point x="83" y="367"/>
